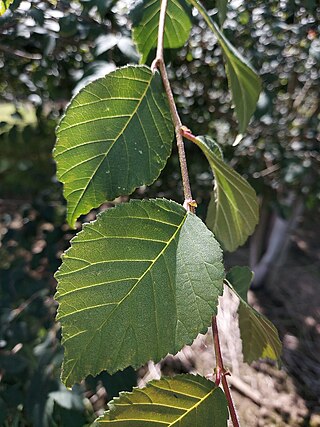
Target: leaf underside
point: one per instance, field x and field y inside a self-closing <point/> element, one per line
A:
<point x="145" y="23"/>
<point x="140" y="282"/>
<point x="233" y="211"/>
<point x="259" y="336"/>
<point x="115" y="136"/>
<point x="183" y="401"/>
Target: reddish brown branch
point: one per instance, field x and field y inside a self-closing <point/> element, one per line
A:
<point x="221" y="373"/>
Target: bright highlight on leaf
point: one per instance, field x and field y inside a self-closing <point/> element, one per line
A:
<point x="145" y="22"/>
<point x="115" y="136"/>
<point x="182" y="401"/>
<point x="243" y="81"/>
<point x="140" y="282"/>
<point x="4" y="4"/>
<point x="233" y="212"/>
<point x="259" y="337"/>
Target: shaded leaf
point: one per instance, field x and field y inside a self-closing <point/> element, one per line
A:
<point x="222" y="6"/>
<point x="241" y="278"/>
<point x="244" y="82"/>
<point x="233" y="212"/>
<point x="145" y="22"/>
<point x="115" y="136"/>
<point x="259" y="336"/>
<point x="183" y="401"/>
<point x="4" y="4"/>
<point x="135" y="285"/>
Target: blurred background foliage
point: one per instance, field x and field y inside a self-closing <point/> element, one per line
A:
<point x="48" y="51"/>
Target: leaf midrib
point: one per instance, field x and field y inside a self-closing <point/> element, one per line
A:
<point x="133" y="288"/>
<point x="112" y="145"/>
<point x="218" y="168"/>
<point x="193" y="407"/>
<point x="149" y="268"/>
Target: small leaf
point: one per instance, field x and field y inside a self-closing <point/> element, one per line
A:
<point x="244" y="82"/>
<point x="145" y="22"/>
<point x="183" y="401"/>
<point x="115" y="136"/>
<point x="140" y="282"/>
<point x="259" y="336"/>
<point x="233" y="212"/>
<point x="241" y="278"/>
<point x="222" y="6"/>
<point x="4" y="4"/>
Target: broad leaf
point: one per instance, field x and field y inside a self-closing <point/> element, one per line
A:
<point x="233" y="212"/>
<point x="259" y="337"/>
<point x="183" y="401"/>
<point x="140" y="282"/>
<point x="244" y="82"/>
<point x="115" y="136"/>
<point x="4" y="4"/>
<point x="145" y="22"/>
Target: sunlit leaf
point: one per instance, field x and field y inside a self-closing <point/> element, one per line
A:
<point x="145" y="22"/>
<point x="140" y="282"/>
<point x="184" y="401"/>
<point x="233" y="212"/>
<point x="4" y="4"/>
<point x="259" y="336"/>
<point x="115" y="136"/>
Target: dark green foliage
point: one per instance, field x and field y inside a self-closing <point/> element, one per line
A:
<point x="126" y="274"/>
<point x="30" y="353"/>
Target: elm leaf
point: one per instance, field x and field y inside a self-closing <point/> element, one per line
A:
<point x="140" y="282"/>
<point x="244" y="82"/>
<point x="145" y="23"/>
<point x="259" y="336"/>
<point x="115" y="136"/>
<point x="184" y="400"/>
<point x="233" y="211"/>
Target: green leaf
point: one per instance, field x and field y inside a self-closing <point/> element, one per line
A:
<point x="244" y="82"/>
<point x="140" y="282"/>
<point x="259" y="336"/>
<point x="222" y="6"/>
<point x="183" y="401"/>
<point x="4" y="4"/>
<point x="115" y="136"/>
<point x="241" y="278"/>
<point x="233" y="212"/>
<point x="145" y="22"/>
